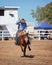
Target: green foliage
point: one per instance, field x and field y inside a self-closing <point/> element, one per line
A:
<point x="43" y="13"/>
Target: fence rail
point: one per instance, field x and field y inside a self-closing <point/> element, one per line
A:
<point x="4" y="34"/>
<point x="43" y="33"/>
<point x="35" y="33"/>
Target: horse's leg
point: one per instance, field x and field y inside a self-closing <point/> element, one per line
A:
<point x="25" y="45"/>
<point x="25" y="50"/>
<point x="21" y="42"/>
<point x="29" y="48"/>
<point x="29" y="45"/>
<point x="22" y="48"/>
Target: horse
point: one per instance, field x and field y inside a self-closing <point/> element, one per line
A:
<point x="24" y="42"/>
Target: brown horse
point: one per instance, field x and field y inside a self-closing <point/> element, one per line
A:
<point x="24" y="40"/>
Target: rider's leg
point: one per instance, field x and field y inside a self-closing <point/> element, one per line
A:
<point x="17" y="39"/>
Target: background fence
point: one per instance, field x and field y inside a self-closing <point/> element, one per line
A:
<point x="4" y="34"/>
<point x="40" y="33"/>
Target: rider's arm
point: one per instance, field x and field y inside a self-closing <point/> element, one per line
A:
<point x="25" y="29"/>
<point x="17" y="23"/>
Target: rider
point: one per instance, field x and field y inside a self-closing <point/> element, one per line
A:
<point x="22" y="26"/>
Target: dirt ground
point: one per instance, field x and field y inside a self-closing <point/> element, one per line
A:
<point x="41" y="53"/>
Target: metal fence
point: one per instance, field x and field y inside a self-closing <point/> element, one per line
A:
<point x="4" y="34"/>
<point x="40" y="33"/>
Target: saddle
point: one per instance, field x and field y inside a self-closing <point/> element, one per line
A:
<point x="22" y="33"/>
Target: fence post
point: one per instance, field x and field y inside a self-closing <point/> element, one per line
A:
<point x="2" y="36"/>
<point x="39" y="34"/>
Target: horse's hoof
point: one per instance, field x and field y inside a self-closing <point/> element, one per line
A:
<point x="24" y="55"/>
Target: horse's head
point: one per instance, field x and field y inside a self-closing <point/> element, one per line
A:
<point x="23" y="38"/>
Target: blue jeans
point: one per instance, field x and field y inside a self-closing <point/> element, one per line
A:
<point x="17" y="40"/>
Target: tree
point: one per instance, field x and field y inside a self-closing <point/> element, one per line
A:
<point x="43" y="13"/>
